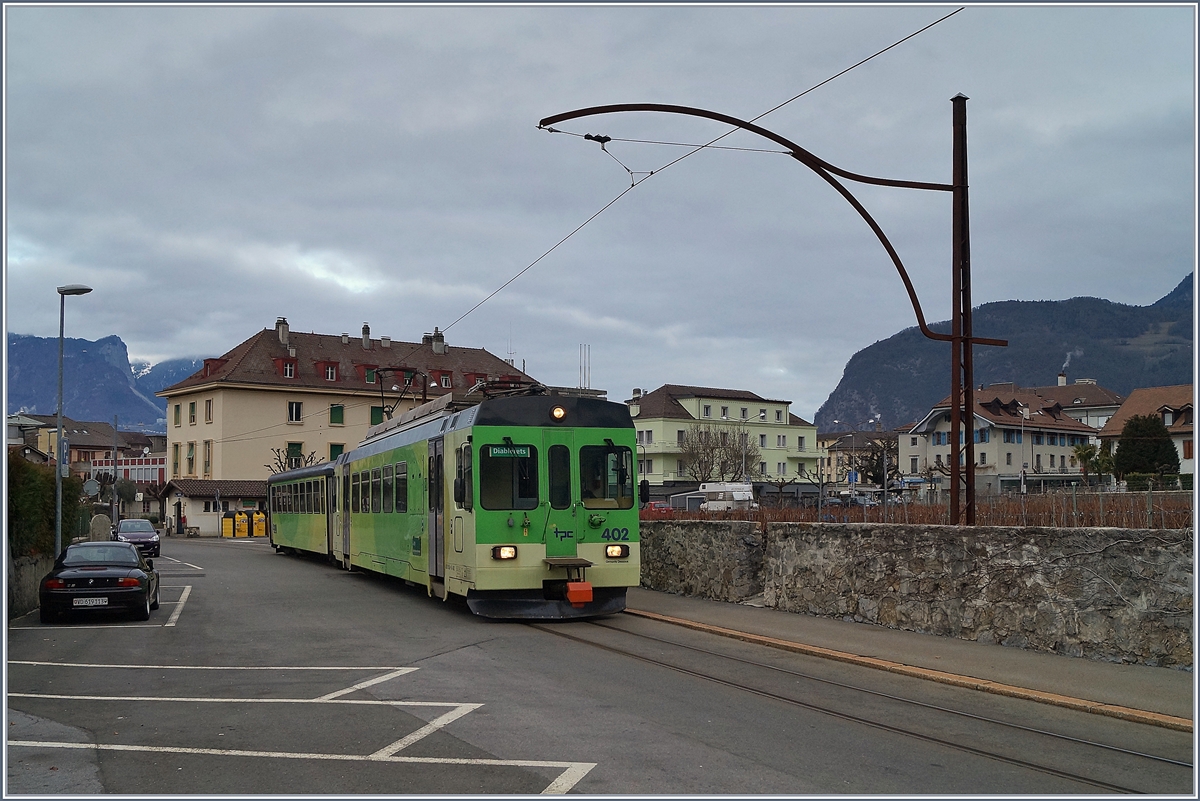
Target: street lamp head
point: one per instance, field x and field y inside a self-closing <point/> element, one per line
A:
<point x="74" y="289"/>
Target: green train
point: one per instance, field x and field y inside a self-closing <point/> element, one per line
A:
<point x="524" y="505"/>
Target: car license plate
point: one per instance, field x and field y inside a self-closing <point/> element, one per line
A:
<point x="89" y="602"/>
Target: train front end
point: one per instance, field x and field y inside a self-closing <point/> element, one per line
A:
<point x="556" y="508"/>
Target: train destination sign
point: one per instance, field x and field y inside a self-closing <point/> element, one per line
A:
<point x="510" y="451"/>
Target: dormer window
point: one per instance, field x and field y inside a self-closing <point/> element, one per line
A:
<point x="289" y="370"/>
<point x="1168" y="417"/>
<point x="369" y="377"/>
<point x="445" y="380"/>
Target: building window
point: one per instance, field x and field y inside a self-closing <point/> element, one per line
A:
<point x="295" y="455"/>
<point x="289" y="370"/>
<point x="679" y="467"/>
<point x="330" y="372"/>
<point x="781" y="468"/>
<point x="762" y="468"/>
<point x="707" y="411"/>
<point x="295" y="412"/>
<point x="1008" y="458"/>
<point x="1052" y="460"/>
<point x="376" y="415"/>
<point x="781" y="440"/>
<point x="801" y="443"/>
<point x="191" y="458"/>
<point x="745" y="412"/>
<point x="779" y="415"/>
<point x="982" y="457"/>
<point x="762" y="414"/>
<point x="370" y="375"/>
<point x="724" y="412"/>
<point x="1037" y="461"/>
<point x="912" y="464"/>
<point x="1187" y="449"/>
<point x="337" y="414"/>
<point x="645" y="467"/>
<point x="937" y="458"/>
<point x="208" y="418"/>
<point x="680" y="435"/>
<point x="335" y="450"/>
<point x="762" y="440"/>
<point x="175" y="458"/>
<point x="913" y="442"/>
<point x="445" y="379"/>
<point x="208" y="454"/>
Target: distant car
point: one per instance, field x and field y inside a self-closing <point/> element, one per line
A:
<point x="659" y="506"/>
<point x="92" y="576"/>
<point x="141" y="533"/>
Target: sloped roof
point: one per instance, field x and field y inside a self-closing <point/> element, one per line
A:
<point x="1000" y="405"/>
<point x="1152" y="401"/>
<point x="254" y="362"/>
<point x="664" y="401"/>
<point x="86" y="434"/>
<point x="207" y="488"/>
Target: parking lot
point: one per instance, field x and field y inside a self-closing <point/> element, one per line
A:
<point x="223" y="692"/>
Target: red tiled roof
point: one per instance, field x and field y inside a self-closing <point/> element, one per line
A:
<point x="1153" y="401"/>
<point x="207" y="488"/>
<point x="998" y="404"/>
<point x="256" y="361"/>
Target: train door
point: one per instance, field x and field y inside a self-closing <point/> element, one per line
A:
<point x="437" y="520"/>
<point x="564" y="526"/>
<point x="329" y="509"/>
<point x="345" y="507"/>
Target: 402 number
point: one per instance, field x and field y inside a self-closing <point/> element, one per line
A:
<point x="615" y="535"/>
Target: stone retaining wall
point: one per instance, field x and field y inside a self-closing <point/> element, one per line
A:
<point x="24" y="576"/>
<point x="1102" y="593"/>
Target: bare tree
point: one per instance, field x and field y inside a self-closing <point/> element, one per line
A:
<point x="719" y="453"/>
<point x="280" y="463"/>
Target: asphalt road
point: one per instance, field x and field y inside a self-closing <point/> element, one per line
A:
<point x="263" y="673"/>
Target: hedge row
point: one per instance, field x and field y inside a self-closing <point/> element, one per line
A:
<point x="31" y="507"/>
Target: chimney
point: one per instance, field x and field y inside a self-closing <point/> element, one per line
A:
<point x="281" y="329"/>
<point x="345" y="337"/>
<point x="637" y="393"/>
<point x="437" y="340"/>
<point x="366" y="337"/>
<point x="1062" y="379"/>
<point x="385" y="342"/>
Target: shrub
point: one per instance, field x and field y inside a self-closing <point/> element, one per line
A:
<point x="31" y="507"/>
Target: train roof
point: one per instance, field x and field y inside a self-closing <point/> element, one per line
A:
<point x="322" y="469"/>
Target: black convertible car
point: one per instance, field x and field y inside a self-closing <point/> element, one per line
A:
<point x="94" y="576"/>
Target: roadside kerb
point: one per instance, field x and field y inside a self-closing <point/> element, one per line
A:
<point x="943" y="677"/>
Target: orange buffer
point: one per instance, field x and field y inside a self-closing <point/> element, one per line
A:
<point x="579" y="593"/>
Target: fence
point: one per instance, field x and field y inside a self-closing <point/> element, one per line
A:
<point x="1068" y="509"/>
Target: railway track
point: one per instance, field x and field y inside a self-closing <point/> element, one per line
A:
<point x="1089" y="761"/>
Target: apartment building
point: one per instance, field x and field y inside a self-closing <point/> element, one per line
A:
<point x="282" y="397"/>
<point x="1173" y="405"/>
<point x="785" y="442"/>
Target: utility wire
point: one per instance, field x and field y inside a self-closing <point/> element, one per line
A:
<point x="697" y="148"/>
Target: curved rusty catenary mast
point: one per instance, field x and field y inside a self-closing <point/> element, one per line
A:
<point x="961" y="338"/>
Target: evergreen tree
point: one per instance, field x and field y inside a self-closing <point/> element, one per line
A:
<point x="1145" y="447"/>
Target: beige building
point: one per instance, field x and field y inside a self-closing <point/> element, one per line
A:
<point x="283" y="398"/>
<point x="662" y="418"/>
<point x="1173" y="405"/>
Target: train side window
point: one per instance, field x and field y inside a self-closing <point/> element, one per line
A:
<point x="462" y="477"/>
<point x="354" y="492"/>
<point x="388" y="492"/>
<point x="365" y="501"/>
<point x="376" y="490"/>
<point x="560" y="476"/>
<point x="320" y="496"/>
<point x="333" y="496"/>
<point x="402" y="487"/>
<point x="508" y="477"/>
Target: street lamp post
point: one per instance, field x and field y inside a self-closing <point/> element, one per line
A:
<point x="962" y="337"/>
<point x="59" y="457"/>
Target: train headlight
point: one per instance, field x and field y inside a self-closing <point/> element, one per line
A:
<point x="616" y="551"/>
<point x="504" y="552"/>
<point x="558" y="413"/>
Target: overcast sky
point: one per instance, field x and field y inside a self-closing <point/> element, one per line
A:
<point x="208" y="169"/>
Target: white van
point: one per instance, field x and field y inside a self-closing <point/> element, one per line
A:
<point x="723" y="496"/>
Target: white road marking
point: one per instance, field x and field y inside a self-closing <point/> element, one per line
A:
<point x="367" y="683"/>
<point x="209" y="700"/>
<point x="424" y="731"/>
<point x="187" y="590"/>
<point x="204" y="667"/>
<point x="573" y="771"/>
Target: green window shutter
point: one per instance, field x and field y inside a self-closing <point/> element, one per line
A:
<point x="376" y="415"/>
<point x="337" y="414"/>
<point x="335" y="451"/>
<point x="294" y="448"/>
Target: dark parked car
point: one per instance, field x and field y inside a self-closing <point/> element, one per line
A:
<point x="141" y="533"/>
<point x="93" y="576"/>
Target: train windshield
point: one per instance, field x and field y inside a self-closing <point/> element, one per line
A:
<point x="606" y="477"/>
<point x="508" y="477"/>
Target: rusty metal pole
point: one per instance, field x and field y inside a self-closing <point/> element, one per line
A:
<point x="956" y="332"/>
<point x="963" y="368"/>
